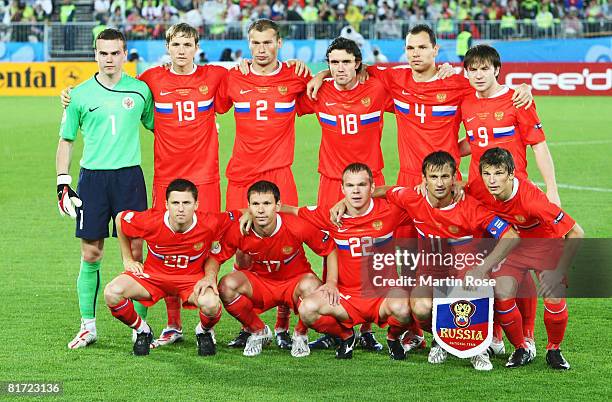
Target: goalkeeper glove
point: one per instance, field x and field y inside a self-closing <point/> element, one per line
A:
<point x="67" y="198"/>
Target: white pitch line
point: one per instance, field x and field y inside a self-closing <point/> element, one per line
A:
<point x="567" y="186"/>
<point x="583" y="188"/>
<point x="570" y="143"/>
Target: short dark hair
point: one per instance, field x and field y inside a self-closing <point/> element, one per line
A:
<point x="182" y="185"/>
<point x="357" y="167"/>
<point x="417" y="29"/>
<point x="111" y="34"/>
<point x="497" y="157"/>
<point x="350" y="46"/>
<point x="437" y="160"/>
<point x="482" y="54"/>
<point x="264" y="187"/>
<point x="264" y="24"/>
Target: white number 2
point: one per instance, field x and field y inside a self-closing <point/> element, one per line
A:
<point x="262" y="105"/>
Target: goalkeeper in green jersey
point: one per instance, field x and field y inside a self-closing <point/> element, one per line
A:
<point x="108" y="109"/>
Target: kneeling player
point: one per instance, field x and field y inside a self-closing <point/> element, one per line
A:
<point x="179" y="240"/>
<point x="280" y="274"/>
<point x="342" y="303"/>
<point x="524" y="205"/>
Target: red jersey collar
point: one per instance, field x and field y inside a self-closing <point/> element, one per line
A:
<point x="278" y="69"/>
<point x="515" y="188"/>
<point x="279" y="222"/>
<point x="370" y="208"/>
<point x="195" y="67"/>
<point x="167" y="222"/>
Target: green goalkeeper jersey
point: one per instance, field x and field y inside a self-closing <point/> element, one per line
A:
<point x="109" y="120"/>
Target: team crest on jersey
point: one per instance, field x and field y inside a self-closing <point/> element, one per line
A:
<point x="499" y="115"/>
<point x="215" y="247"/>
<point x="377" y="224"/>
<point x="453" y="229"/>
<point x="203" y="89"/>
<point x="520" y="218"/>
<point x="366" y="101"/>
<point x="262" y="90"/>
<point x="441" y="97"/>
<point x="198" y="246"/>
<point x="127" y="102"/>
<point x="287" y="250"/>
<point x="282" y="90"/>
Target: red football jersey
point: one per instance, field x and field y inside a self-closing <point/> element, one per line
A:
<point x="532" y="214"/>
<point x="457" y="223"/>
<point x="264" y="109"/>
<point x="495" y="122"/>
<point x="357" y="237"/>
<point x="171" y="252"/>
<point x="428" y="114"/>
<point x="351" y="124"/>
<point x="280" y="255"/>
<point x="186" y="138"/>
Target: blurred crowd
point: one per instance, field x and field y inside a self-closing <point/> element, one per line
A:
<point x="389" y="18"/>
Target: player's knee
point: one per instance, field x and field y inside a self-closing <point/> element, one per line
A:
<point x="209" y="303"/>
<point x="91" y="254"/>
<point x="113" y="293"/>
<point x="308" y="309"/>
<point x="421" y="308"/>
<point x="400" y="309"/>
<point x="228" y="288"/>
<point x="308" y="284"/>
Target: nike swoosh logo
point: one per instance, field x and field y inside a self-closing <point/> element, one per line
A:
<point x="470" y="119"/>
<point x="415" y="221"/>
<point x="342" y="230"/>
<point x="255" y="253"/>
<point x="163" y="247"/>
<point x="164" y="93"/>
<point x="405" y="93"/>
<point x="330" y="103"/>
<point x="242" y="91"/>
<point x="91" y="109"/>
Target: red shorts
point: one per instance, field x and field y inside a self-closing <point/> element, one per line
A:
<point x="269" y="293"/>
<point x="160" y="285"/>
<point x="236" y="195"/>
<point x="361" y="310"/>
<point x="330" y="190"/>
<point x="209" y="197"/>
<point x="530" y="254"/>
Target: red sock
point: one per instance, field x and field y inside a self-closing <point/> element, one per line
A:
<point x="327" y="324"/>
<point x="498" y="332"/>
<point x="242" y="309"/>
<point x="173" y="307"/>
<point x="425" y="325"/>
<point x="283" y="313"/>
<point x="209" y="322"/>
<point x="124" y="312"/>
<point x="555" y="320"/>
<point x="528" y="308"/>
<point x="300" y="328"/>
<point x="366" y="327"/>
<point x="527" y="303"/>
<point x="396" y="328"/>
<point x="510" y="319"/>
<point x="414" y="328"/>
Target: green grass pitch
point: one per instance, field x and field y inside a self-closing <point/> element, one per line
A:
<point x="39" y="312"/>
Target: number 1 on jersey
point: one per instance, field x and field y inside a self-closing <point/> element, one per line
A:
<point x="348" y="123"/>
<point x="113" y="125"/>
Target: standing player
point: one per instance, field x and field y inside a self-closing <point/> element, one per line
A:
<point x="342" y="302"/>
<point x="491" y="120"/>
<point x="107" y="108"/>
<point x="264" y="109"/>
<point x="179" y="240"/>
<point x="351" y="117"/>
<point x="280" y="274"/>
<point x="436" y="216"/>
<point x="524" y="205"/>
